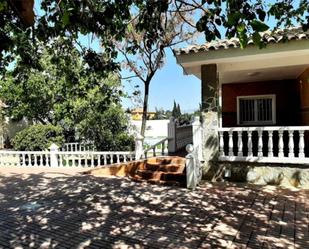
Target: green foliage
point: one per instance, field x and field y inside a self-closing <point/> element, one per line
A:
<point x="65" y="93"/>
<point x="160" y="114"/>
<point x="72" y="18"/>
<point x="185" y="118"/>
<point x="108" y="129"/>
<point x="106" y="20"/>
<point x="60" y="91"/>
<point x="38" y="137"/>
<point x="176" y="112"/>
<point x="245" y="19"/>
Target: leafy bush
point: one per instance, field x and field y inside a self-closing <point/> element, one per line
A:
<point x="38" y="137"/>
<point x="108" y="130"/>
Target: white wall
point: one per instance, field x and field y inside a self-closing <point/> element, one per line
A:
<point x="154" y="128"/>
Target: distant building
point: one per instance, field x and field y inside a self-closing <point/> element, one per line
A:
<point x="137" y="114"/>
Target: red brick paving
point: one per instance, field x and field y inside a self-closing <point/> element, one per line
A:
<point x="44" y="210"/>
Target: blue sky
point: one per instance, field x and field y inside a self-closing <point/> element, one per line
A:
<point x="169" y="83"/>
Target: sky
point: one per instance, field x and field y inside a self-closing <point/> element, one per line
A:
<point x="168" y="85"/>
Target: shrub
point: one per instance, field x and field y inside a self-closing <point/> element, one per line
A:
<point x="38" y="137"/>
<point x="107" y="130"/>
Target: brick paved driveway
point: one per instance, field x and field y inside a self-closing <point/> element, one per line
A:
<point x="63" y="211"/>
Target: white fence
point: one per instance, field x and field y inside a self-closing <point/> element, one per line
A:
<point x="56" y="158"/>
<point x="78" y="147"/>
<point x="159" y="148"/>
<point x="265" y="144"/>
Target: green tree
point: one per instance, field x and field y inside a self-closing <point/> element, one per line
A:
<point x="64" y="91"/>
<point x="176" y="112"/>
<point x="71" y="18"/>
<point x="159" y="114"/>
<point x="144" y="55"/>
<point x="38" y="137"/>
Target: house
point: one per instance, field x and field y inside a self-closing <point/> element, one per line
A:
<point x="255" y="101"/>
<point x="137" y="114"/>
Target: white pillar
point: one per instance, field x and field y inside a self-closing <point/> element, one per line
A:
<point x="171" y="134"/>
<point x="192" y="168"/>
<point x="197" y="137"/>
<point x="139" y="146"/>
<point x="54" y="149"/>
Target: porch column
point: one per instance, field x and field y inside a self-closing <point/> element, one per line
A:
<point x="210" y="111"/>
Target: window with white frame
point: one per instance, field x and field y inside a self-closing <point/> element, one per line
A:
<point x="256" y="110"/>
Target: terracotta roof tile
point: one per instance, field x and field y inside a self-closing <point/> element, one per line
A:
<point x="295" y="33"/>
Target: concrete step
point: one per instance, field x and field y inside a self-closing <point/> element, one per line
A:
<point x="172" y="168"/>
<point x="152" y="166"/>
<point x="159" y="175"/>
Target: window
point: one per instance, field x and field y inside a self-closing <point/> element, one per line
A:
<point x="256" y="110"/>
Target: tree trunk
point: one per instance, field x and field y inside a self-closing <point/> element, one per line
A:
<point x="145" y="109"/>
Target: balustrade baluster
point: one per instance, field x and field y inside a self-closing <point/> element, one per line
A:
<point x="118" y="159"/>
<point x="260" y="143"/>
<point x="280" y="145"/>
<point x="239" y="144"/>
<point x="23" y="158"/>
<point x="301" y="144"/>
<point x="61" y="158"/>
<point x="231" y="153"/>
<point x="112" y="158"/>
<point x="41" y="160"/>
<point x="92" y="159"/>
<point x="250" y="153"/>
<point x="291" y="143"/>
<point x="221" y="143"/>
<point x="166" y="147"/>
<point x="270" y="144"/>
<point x="105" y="159"/>
<point x="99" y="160"/>
<point x="35" y="160"/>
<point x="162" y="148"/>
<point x="47" y="160"/>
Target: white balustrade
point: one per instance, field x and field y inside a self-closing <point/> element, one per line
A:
<point x="63" y="158"/>
<point x="24" y="158"/>
<point x="159" y="148"/>
<point x="78" y="147"/>
<point x="264" y="144"/>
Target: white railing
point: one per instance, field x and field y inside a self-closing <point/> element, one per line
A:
<point x="92" y="158"/>
<point x="78" y="147"/>
<point x="264" y="144"/>
<point x="24" y="158"/>
<point x="159" y="148"/>
<point x="63" y="158"/>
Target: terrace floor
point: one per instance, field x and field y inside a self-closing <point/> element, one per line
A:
<point x="63" y="210"/>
